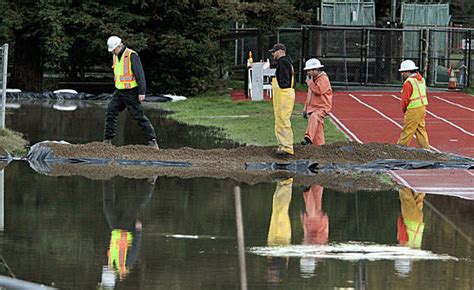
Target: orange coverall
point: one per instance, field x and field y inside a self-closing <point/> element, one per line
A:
<point x="315" y="220"/>
<point x="318" y="105"/>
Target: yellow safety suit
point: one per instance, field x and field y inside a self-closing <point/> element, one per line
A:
<point x="283" y="103"/>
<point x="412" y="217"/>
<point x="279" y="232"/>
<point x="414" y="102"/>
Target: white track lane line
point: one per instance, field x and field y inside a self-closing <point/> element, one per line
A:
<point x="344" y="128"/>
<point x="401" y="179"/>
<point x="386" y="117"/>
<point x="469" y="172"/>
<point x="454" y="104"/>
<point x="444" y="120"/>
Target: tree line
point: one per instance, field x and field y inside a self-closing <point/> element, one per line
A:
<point x="176" y="39"/>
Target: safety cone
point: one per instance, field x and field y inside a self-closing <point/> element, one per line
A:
<point x="452" y="83"/>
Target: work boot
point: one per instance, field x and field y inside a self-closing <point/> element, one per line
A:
<point x="107" y="141"/>
<point x="306" y="141"/>
<point x="282" y="153"/>
<point x="152" y="143"/>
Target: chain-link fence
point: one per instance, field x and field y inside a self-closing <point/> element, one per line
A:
<point x="363" y="55"/>
<point x="450" y="48"/>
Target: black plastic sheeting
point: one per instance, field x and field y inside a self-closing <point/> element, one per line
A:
<point x="41" y="157"/>
<point x="6" y="157"/>
<point x="79" y="96"/>
<point x="305" y="167"/>
<point x="302" y="167"/>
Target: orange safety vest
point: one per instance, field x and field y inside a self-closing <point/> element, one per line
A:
<point x="123" y="74"/>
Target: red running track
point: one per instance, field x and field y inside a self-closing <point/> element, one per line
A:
<point x="377" y="117"/>
<point x="453" y="182"/>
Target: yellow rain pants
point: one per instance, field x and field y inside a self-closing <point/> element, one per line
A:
<point x="283" y="103"/>
<point x="414" y="123"/>
<point x="279" y="232"/>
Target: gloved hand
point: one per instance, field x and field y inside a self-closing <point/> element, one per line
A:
<point x="305" y="115"/>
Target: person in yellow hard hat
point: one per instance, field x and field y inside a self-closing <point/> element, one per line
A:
<point x="414" y="102"/>
<point x="130" y="86"/>
<point x="283" y="90"/>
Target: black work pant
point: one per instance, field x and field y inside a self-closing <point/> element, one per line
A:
<point x="126" y="99"/>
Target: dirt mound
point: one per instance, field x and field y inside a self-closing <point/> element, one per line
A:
<point x="230" y="163"/>
<point x="339" y="152"/>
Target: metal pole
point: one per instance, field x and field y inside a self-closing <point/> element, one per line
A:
<point x="240" y="238"/>
<point x="2" y="201"/>
<point x="236" y="42"/>
<point x="4" y="85"/>
<point x="394" y="11"/>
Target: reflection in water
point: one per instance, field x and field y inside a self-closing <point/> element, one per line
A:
<point x="57" y="231"/>
<point x="2" y="202"/>
<point x="279" y="232"/>
<point x="82" y="122"/>
<point x="410" y="225"/>
<point x="315" y="226"/>
<point x="314" y="221"/>
<point x="126" y="230"/>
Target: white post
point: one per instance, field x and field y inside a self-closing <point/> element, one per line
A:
<point x="4" y="84"/>
<point x="257" y="81"/>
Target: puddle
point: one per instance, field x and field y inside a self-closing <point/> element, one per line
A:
<point x="86" y="123"/>
<point x="70" y="230"/>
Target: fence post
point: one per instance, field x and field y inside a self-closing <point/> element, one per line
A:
<point x="4" y="84"/>
<point x="424" y="48"/>
<point x="304" y="51"/>
<point x="468" y="59"/>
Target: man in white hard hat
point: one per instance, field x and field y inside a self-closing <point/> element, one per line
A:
<point x="318" y="102"/>
<point x="130" y="86"/>
<point x="283" y="90"/>
<point x="414" y="102"/>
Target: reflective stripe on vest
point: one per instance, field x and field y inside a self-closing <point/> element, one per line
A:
<point x="415" y="233"/>
<point x="418" y="96"/>
<point x="123" y="75"/>
<point x="120" y="241"/>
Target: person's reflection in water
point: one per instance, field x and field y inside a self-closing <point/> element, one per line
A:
<point x="410" y="225"/>
<point x="279" y="233"/>
<point x="126" y="230"/>
<point x="315" y="226"/>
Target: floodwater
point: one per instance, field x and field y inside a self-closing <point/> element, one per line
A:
<point x="172" y="233"/>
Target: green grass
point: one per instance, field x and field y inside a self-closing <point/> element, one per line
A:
<point x="470" y="90"/>
<point x="13" y="142"/>
<point x="245" y="122"/>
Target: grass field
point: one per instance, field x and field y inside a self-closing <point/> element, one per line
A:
<point x="245" y="122"/>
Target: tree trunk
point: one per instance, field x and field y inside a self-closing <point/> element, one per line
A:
<point x="27" y="63"/>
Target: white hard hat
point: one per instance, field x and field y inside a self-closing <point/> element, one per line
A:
<point x="312" y="63"/>
<point x="113" y="42"/>
<point x="407" y="65"/>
